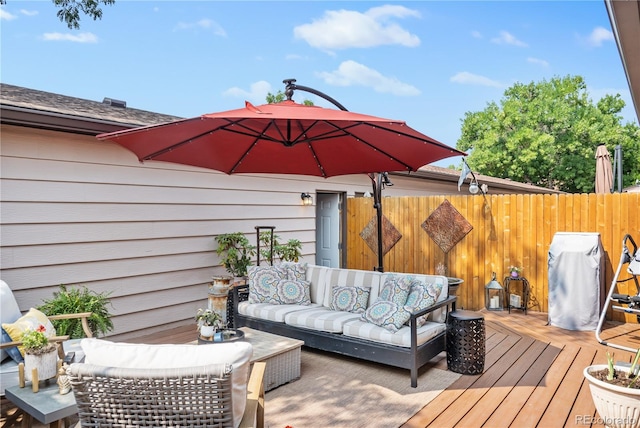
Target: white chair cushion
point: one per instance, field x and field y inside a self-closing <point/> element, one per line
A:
<point x="268" y="311"/>
<point x="132" y="355"/>
<point x="402" y="337"/>
<point x="321" y="319"/>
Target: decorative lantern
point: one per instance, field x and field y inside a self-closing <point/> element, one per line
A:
<point x="494" y="295"/>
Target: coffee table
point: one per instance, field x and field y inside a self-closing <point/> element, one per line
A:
<point x="46" y="405"/>
<point x="281" y="354"/>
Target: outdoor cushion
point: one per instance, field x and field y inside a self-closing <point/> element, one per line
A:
<point x="321" y="319"/>
<point x="262" y="279"/>
<point x="352" y="278"/>
<point x="269" y="311"/>
<point x="350" y="299"/>
<point x="131" y="355"/>
<point x="422" y="296"/>
<point x="369" y="331"/>
<point x="9" y="311"/>
<point x="396" y="288"/>
<point x="290" y="292"/>
<point x="316" y="276"/>
<point x="387" y="314"/>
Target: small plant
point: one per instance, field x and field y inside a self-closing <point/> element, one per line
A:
<point x="77" y="300"/>
<point x="209" y="318"/>
<point x="515" y="270"/>
<point x="612" y="374"/>
<point x="235" y="253"/>
<point x="35" y="342"/>
<point x="289" y="252"/>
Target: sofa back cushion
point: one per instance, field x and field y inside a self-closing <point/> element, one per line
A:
<point x="316" y="276"/>
<point x="144" y="356"/>
<point x="9" y="310"/>
<point x="350" y="277"/>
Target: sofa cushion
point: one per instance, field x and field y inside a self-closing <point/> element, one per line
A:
<point x="296" y="271"/>
<point x="396" y="288"/>
<point x="369" y="331"/>
<point x="387" y="314"/>
<point x="269" y="311"/>
<point x="350" y="299"/>
<point x="320" y="318"/>
<point x="29" y="321"/>
<point x="316" y="276"/>
<point x="290" y="291"/>
<point x="131" y="355"/>
<point x="262" y="280"/>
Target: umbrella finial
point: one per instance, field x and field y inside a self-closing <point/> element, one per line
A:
<point x="290" y="85"/>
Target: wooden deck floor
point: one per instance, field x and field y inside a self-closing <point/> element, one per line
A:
<point x="532" y="376"/>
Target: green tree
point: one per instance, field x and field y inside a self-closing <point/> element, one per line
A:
<point x="279" y="97"/>
<point x="69" y="10"/>
<point x="546" y="134"/>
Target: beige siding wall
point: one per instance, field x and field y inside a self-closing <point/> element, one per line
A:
<point x="78" y="211"/>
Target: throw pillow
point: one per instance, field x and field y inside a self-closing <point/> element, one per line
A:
<point x="296" y="271"/>
<point x="422" y="296"/>
<point x="349" y="299"/>
<point x="396" y="288"/>
<point x="12" y="352"/>
<point x="29" y="321"/>
<point x="386" y="314"/>
<point x="262" y="279"/>
<point x="290" y="292"/>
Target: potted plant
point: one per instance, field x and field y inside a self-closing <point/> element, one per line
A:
<point x="208" y="322"/>
<point x="615" y="390"/>
<point x="39" y="354"/>
<point x="235" y="253"/>
<point x="514" y="271"/>
<point x="291" y="251"/>
<point x="77" y="300"/>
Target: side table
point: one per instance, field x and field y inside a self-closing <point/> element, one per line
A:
<point x="46" y="405"/>
<point x="465" y="342"/>
<point x="519" y="300"/>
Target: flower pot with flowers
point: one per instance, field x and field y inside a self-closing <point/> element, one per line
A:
<point x="40" y="356"/>
<point x="615" y="389"/>
<point x="515" y="271"/>
<point x="208" y="322"/>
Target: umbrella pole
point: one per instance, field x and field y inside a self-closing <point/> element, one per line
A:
<point x="377" y="204"/>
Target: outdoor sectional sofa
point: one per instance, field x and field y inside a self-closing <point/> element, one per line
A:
<point x="350" y="312"/>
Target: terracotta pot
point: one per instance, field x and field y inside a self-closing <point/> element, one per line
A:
<point x="46" y="364"/>
<point x="619" y="407"/>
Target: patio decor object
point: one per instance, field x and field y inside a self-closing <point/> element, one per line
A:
<point x="446" y="226"/>
<point x="289" y="138"/>
<point x="465" y="342"/>
<point x="618" y="406"/>
<point x="516" y="299"/>
<point x="494" y="294"/>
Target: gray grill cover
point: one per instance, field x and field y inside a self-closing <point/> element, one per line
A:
<point x="576" y="280"/>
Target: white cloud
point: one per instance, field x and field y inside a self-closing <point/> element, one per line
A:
<point x="28" y="12"/>
<point x="476" y="34"/>
<point x="351" y="73"/>
<point x="466" y="78"/>
<point x="507" y="38"/>
<point x="205" y="24"/>
<point x="538" y="61"/>
<point x="599" y="35"/>
<point x="78" y="38"/>
<point x="6" y="16"/>
<point x="343" y="29"/>
<point x="257" y="94"/>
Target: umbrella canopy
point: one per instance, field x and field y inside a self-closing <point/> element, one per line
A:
<point x="604" y="170"/>
<point x="286" y="138"/>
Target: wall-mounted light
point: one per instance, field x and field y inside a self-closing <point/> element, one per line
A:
<point x="306" y="199"/>
<point x="473" y="187"/>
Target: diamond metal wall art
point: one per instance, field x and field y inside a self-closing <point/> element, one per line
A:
<point x="390" y="235"/>
<point x="446" y="226"/>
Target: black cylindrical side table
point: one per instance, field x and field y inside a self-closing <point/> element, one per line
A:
<point x="465" y="342"/>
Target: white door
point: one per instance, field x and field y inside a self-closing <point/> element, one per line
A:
<point x="328" y="230"/>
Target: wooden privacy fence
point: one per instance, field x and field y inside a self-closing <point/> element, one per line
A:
<point x="507" y="230"/>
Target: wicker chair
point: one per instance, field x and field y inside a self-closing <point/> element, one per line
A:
<point x="182" y="397"/>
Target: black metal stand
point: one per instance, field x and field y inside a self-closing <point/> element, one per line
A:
<point x="379" y="180"/>
<point x="524" y="297"/>
<point x="258" y="229"/>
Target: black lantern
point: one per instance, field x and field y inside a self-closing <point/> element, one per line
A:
<point x="494" y="295"/>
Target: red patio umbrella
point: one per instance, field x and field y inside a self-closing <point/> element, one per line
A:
<point x="286" y="138"/>
<point x="289" y="138"/>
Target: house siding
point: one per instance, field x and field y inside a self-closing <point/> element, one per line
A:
<point x="78" y="211"/>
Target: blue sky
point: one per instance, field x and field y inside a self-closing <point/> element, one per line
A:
<point x="424" y="62"/>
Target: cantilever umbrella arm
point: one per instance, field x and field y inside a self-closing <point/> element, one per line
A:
<point x="376" y="179"/>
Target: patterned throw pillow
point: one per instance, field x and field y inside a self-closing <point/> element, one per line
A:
<point x="349" y="299"/>
<point x="296" y="271"/>
<point x="386" y="314"/>
<point x="261" y="281"/>
<point x="396" y="288"/>
<point x="422" y="296"/>
<point x="290" y="292"/>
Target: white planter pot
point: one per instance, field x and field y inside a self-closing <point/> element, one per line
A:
<point x="46" y="364"/>
<point x="207" y="331"/>
<point x="619" y="407"/>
